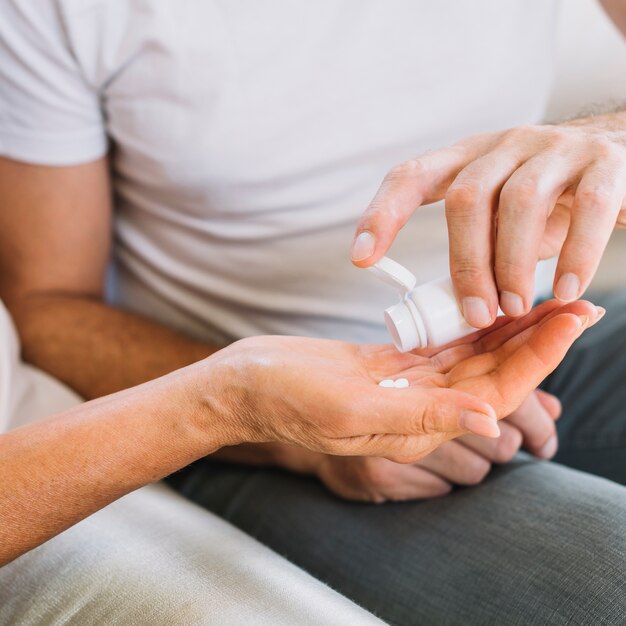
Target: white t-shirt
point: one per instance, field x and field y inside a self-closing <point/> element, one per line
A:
<point x="247" y="137"/>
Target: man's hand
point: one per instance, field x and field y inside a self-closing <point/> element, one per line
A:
<point x="511" y="198"/>
<point x="535" y="421"/>
<point x="465" y="461"/>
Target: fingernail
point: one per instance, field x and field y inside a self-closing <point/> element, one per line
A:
<point x="584" y="320"/>
<point x="476" y="312"/>
<point x="479" y="424"/>
<point x="567" y="287"/>
<point x="363" y="246"/>
<point x="511" y="303"/>
<point x="600" y="311"/>
<point x="548" y="450"/>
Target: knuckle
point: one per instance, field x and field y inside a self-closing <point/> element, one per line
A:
<point x="594" y="199"/>
<point x="463" y="196"/>
<point x="462" y="149"/>
<point x="513" y="135"/>
<point x="517" y="271"/>
<point x="430" y="418"/>
<point x="374" y="473"/>
<point x="539" y="437"/>
<point x="378" y="213"/>
<point x="411" y="168"/>
<point x="559" y="142"/>
<point x="476" y="471"/>
<point x="522" y="191"/>
<point x="507" y="446"/>
<point x="556" y="136"/>
<point x="607" y="150"/>
<point x="466" y="272"/>
<point x="520" y="133"/>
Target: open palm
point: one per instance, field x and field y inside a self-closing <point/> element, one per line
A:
<point x="324" y="394"/>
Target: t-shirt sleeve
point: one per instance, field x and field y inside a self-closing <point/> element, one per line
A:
<point x="49" y="113"/>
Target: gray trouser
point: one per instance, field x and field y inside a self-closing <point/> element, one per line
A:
<point x="536" y="543"/>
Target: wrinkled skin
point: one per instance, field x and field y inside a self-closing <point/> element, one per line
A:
<point x="324" y="395"/>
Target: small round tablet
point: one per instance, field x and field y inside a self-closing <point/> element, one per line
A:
<point x="401" y="383"/>
<point x="387" y="383"/>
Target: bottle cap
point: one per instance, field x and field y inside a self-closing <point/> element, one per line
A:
<point x="394" y="274"/>
<point x="403" y="320"/>
<point x="406" y="326"/>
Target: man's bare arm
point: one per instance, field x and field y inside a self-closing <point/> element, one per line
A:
<point x="55" y="226"/>
<point x="616" y="10"/>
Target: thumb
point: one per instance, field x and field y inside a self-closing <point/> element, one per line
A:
<point x="436" y="411"/>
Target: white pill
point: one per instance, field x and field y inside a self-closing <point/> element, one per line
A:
<point x="387" y="383"/>
<point x="401" y="383"/>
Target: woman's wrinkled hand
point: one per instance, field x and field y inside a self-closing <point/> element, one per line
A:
<point x="324" y="395"/>
<point x="466" y="461"/>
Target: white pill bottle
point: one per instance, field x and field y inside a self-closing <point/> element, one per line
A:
<point x="427" y="316"/>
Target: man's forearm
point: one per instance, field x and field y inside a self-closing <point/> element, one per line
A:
<point x="616" y="10"/>
<point x="610" y="117"/>
<point x="96" y="349"/>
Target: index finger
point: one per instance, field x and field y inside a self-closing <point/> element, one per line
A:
<point x="406" y="187"/>
<point x="518" y="374"/>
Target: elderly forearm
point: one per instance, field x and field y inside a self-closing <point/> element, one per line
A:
<point x="59" y="471"/>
